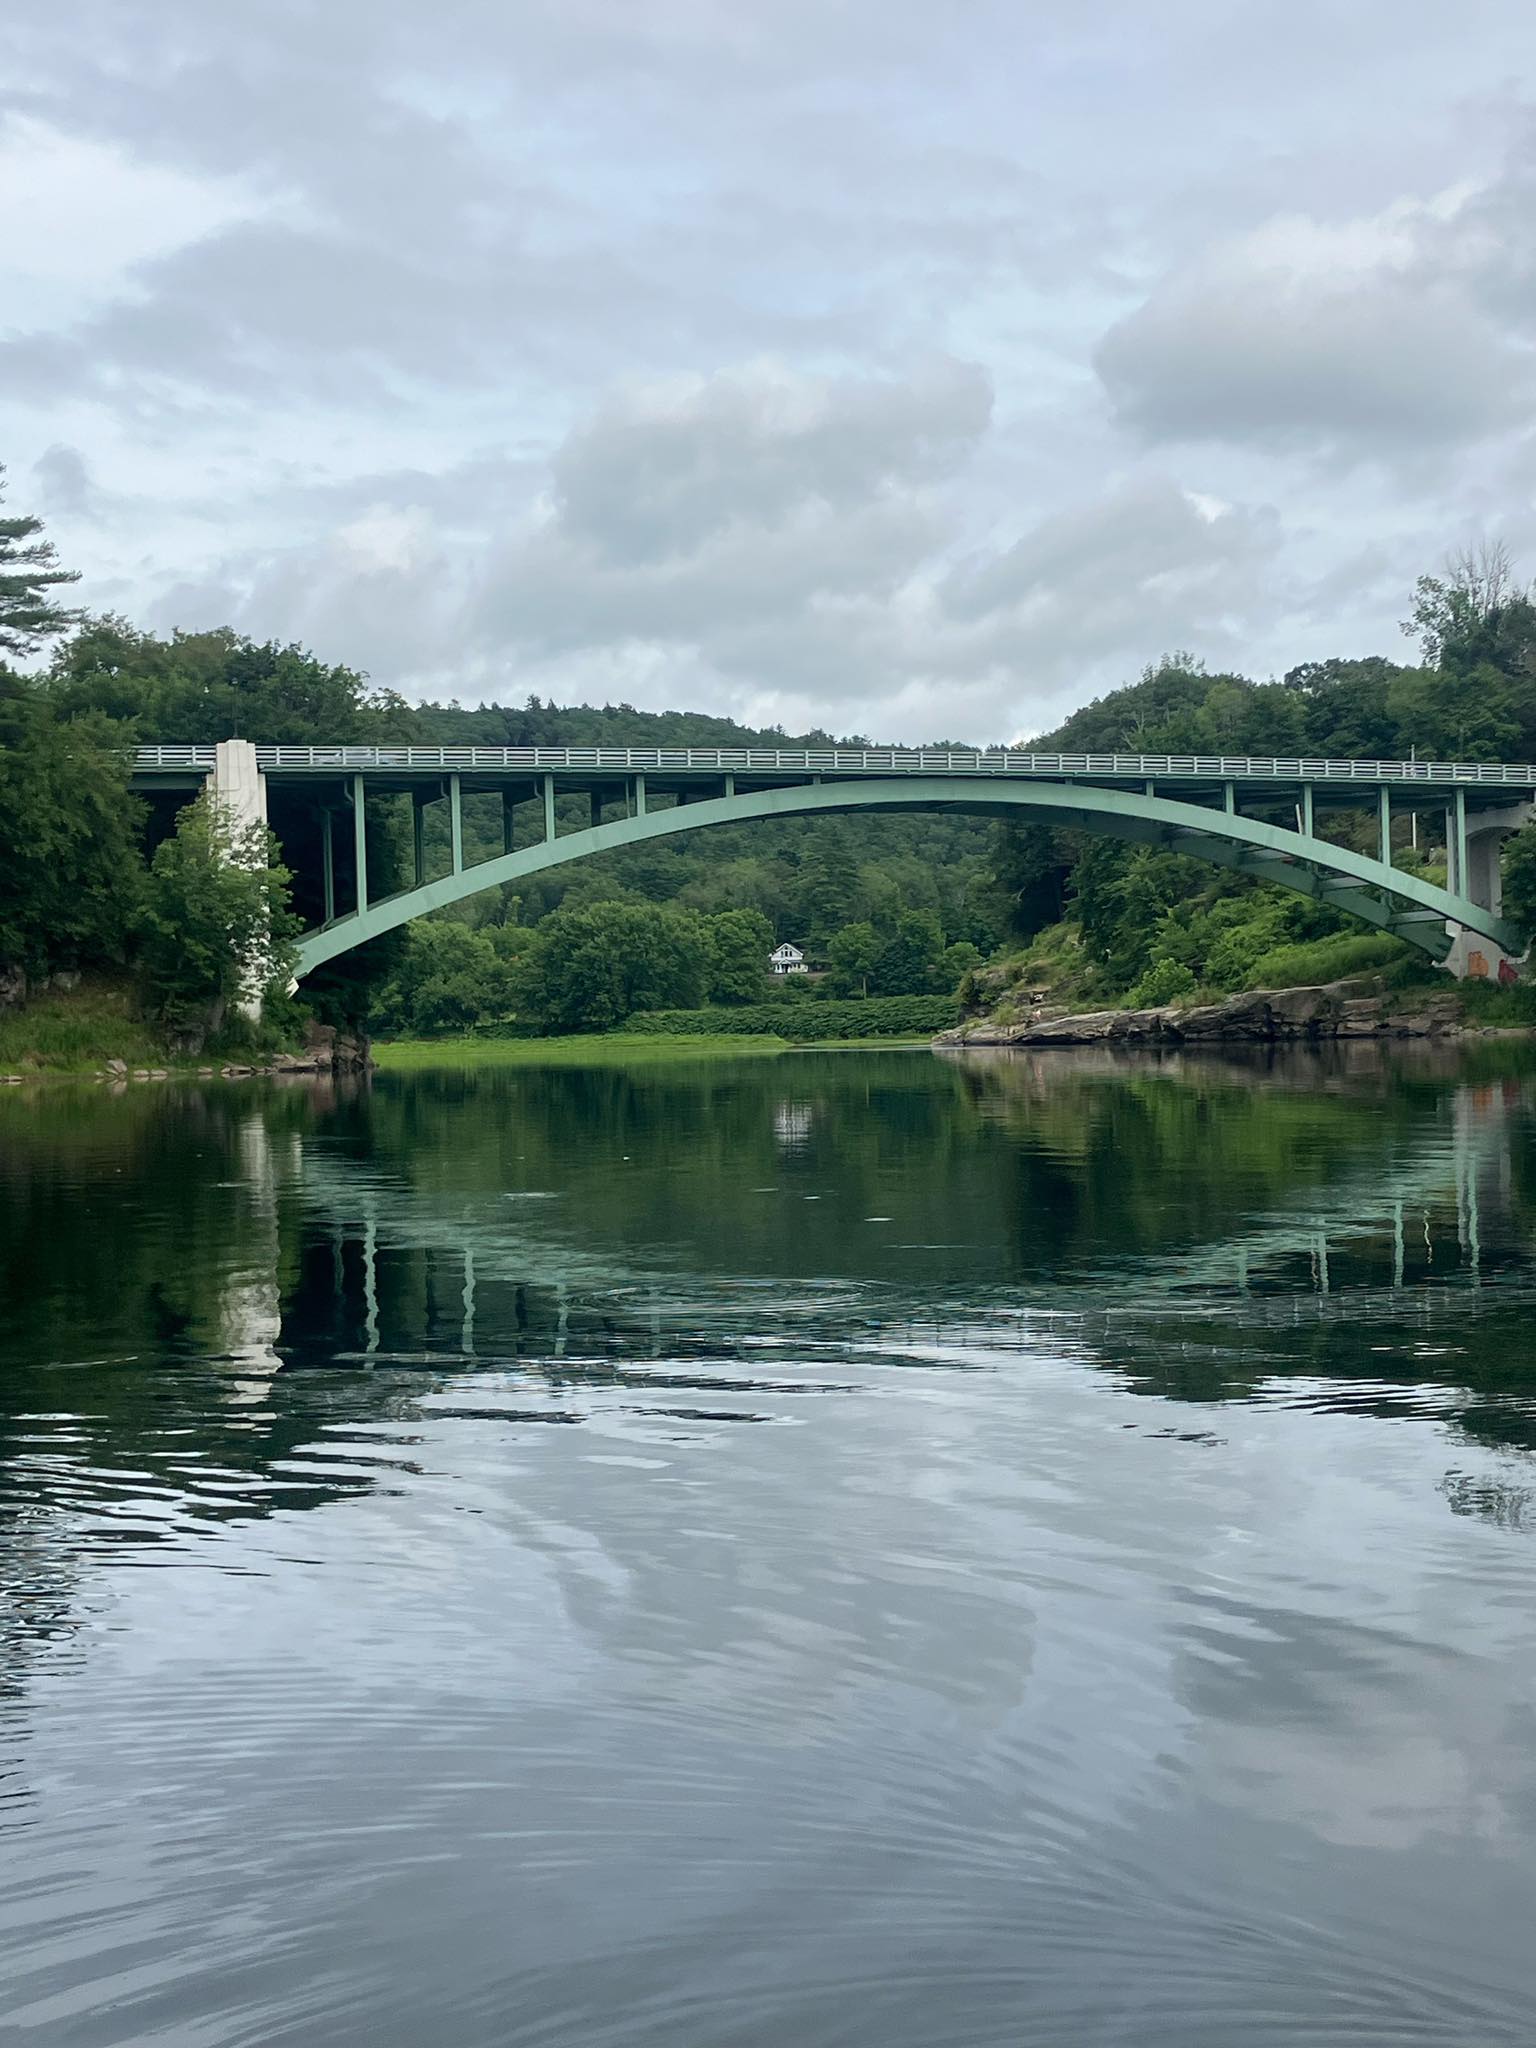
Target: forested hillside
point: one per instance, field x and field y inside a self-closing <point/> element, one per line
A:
<point x="888" y="905"/>
<point x="1160" y="926"/>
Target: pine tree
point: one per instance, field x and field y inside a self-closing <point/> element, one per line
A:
<point x="29" y="572"/>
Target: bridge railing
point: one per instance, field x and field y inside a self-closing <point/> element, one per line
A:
<point x="862" y="761"/>
<point x="146" y="758"/>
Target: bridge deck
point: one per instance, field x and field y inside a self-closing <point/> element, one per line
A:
<point x="678" y="766"/>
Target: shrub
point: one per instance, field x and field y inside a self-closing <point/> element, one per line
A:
<point x="1164" y="982"/>
<point x="1305" y="966"/>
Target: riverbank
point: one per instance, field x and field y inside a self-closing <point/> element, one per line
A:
<point x="95" y="1031"/>
<point x="1362" y="1007"/>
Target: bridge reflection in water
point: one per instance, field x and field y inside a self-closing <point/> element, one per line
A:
<point x="1429" y="1236"/>
<point x="1206" y="1229"/>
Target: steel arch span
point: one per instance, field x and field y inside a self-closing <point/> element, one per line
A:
<point x="1368" y="888"/>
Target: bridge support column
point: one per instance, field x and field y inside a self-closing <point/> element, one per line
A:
<point x="328" y="862"/>
<point x="456" y="823"/>
<point x="549" y="807"/>
<point x="1472" y="853"/>
<point x="419" y="836"/>
<point x="239" y="787"/>
<point x="240" y="792"/>
<point x="639" y="805"/>
<point x="360" y="842"/>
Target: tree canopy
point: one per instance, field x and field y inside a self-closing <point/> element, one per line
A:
<point x="30" y="615"/>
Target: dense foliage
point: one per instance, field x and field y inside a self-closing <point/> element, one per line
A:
<point x="591" y="965"/>
<point x="71" y="873"/>
<point x="1472" y="698"/>
<point x="215" y="929"/>
<point x="199" y="688"/>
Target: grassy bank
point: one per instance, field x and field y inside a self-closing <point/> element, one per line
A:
<point x="610" y="1049"/>
<point x="76" y="1031"/>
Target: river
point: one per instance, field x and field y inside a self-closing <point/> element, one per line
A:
<point x="836" y="1550"/>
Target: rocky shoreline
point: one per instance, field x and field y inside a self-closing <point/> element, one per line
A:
<point x="1343" y="1009"/>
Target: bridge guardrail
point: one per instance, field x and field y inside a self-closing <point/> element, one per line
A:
<point x="853" y="761"/>
<point x="877" y="760"/>
<point x="146" y="758"/>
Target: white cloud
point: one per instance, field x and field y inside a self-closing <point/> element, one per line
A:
<point x="1369" y="336"/>
<point x="80" y="214"/>
<point x="745" y="354"/>
<point x="783" y="546"/>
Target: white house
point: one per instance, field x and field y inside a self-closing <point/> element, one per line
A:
<point x="786" y="959"/>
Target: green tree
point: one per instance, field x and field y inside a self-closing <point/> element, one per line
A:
<point x="70" y="867"/>
<point x="29" y="574"/>
<point x="1477" y="627"/>
<point x="592" y="965"/>
<point x="199" y="688"/>
<point x="1164" y="982"/>
<point x="739" y="944"/>
<point x="1350" y="709"/>
<point x="215" y="920"/>
<point x="1031" y="863"/>
<point x="1520" y="880"/>
<point x="828" y="895"/>
<point x="447" y="976"/>
<point x="956" y="962"/>
<point x="851" y="954"/>
<point x="907" y="963"/>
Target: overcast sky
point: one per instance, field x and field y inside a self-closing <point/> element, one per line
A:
<point x="910" y="369"/>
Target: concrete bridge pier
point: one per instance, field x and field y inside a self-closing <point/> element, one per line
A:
<point x="1472" y="870"/>
<point x="239" y="789"/>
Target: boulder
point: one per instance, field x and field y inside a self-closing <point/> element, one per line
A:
<point x="1239" y="1017"/>
<point x="1303" y="1012"/>
<point x="354" y="1051"/>
<point x="1434" y="1017"/>
<point x="1360" y="1017"/>
<point x="1088" y="1029"/>
<point x="13" y="986"/>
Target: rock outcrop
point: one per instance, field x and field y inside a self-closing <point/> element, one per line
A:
<point x="1341" y="1009"/>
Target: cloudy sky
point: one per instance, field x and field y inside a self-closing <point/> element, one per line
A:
<point x="910" y="369"/>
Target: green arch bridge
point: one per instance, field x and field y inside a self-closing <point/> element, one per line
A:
<point x="1262" y="817"/>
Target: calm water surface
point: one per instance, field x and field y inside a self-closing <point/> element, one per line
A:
<point x="850" y="1548"/>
